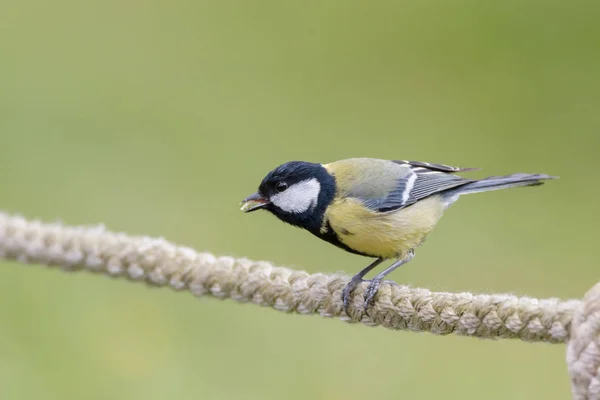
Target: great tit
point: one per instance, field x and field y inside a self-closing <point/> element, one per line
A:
<point x="371" y="207"/>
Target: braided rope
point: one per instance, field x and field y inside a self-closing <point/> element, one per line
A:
<point x="583" y="351"/>
<point x="159" y="262"/>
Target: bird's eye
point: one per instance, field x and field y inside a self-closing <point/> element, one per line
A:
<point x="281" y="186"/>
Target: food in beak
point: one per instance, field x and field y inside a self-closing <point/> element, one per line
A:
<point x="254" y="202"/>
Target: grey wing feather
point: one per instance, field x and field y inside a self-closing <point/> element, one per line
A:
<point x="435" y="167"/>
<point x="418" y="184"/>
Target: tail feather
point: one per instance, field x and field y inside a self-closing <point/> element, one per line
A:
<point x="500" y="182"/>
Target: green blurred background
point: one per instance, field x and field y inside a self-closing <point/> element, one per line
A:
<point x="159" y="117"/>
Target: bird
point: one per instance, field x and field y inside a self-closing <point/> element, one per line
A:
<point x="377" y="208"/>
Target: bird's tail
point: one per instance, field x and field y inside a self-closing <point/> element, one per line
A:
<point x="500" y="182"/>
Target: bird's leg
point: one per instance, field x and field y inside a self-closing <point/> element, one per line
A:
<point x="376" y="281"/>
<point x="356" y="279"/>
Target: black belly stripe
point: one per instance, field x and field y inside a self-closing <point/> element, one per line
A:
<point x="329" y="235"/>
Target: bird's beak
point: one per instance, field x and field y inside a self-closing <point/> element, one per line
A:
<point x="254" y="202"/>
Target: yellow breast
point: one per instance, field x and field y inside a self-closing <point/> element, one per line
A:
<point x="386" y="235"/>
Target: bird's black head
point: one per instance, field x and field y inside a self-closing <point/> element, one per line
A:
<point x="296" y="192"/>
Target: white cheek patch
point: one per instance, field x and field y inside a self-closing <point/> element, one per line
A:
<point x="299" y="197"/>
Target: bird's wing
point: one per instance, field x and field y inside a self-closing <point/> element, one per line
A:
<point x="420" y="183"/>
<point x="391" y="185"/>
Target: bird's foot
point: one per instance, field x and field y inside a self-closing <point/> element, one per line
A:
<point x="369" y="293"/>
<point x="372" y="291"/>
<point x="348" y="291"/>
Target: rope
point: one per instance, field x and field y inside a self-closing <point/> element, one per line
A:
<point x="159" y="262"/>
<point x="583" y="351"/>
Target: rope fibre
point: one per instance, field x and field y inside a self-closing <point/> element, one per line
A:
<point x="159" y="262"/>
